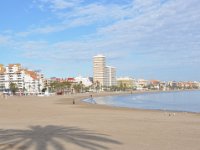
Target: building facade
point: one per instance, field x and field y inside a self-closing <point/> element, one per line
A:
<point x="85" y="81"/>
<point x="103" y="75"/>
<point x="99" y="64"/>
<point x="27" y="81"/>
<point x="110" y="76"/>
<point x="141" y="84"/>
<point x="126" y="82"/>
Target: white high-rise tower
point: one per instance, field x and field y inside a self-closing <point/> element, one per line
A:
<point x="104" y="75"/>
<point x="110" y="76"/>
<point x="99" y="64"/>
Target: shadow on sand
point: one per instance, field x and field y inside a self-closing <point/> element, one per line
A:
<point x="55" y="137"/>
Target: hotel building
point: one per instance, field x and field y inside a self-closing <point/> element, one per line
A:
<point x="27" y="81"/>
<point x="110" y="76"/>
<point x="127" y="82"/>
<point x="99" y="64"/>
<point x="104" y="75"/>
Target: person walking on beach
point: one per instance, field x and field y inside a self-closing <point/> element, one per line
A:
<point x="73" y="102"/>
<point x="4" y="95"/>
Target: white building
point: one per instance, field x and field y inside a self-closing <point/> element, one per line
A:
<point x="110" y="76"/>
<point x="85" y="81"/>
<point x="104" y="75"/>
<point x="27" y="81"/>
<point x="127" y="82"/>
<point x="141" y="84"/>
<point x="99" y="64"/>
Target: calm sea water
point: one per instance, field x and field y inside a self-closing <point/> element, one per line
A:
<point x="188" y="101"/>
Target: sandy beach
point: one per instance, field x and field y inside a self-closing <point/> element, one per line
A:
<point x="55" y="123"/>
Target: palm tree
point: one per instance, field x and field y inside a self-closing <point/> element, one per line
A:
<point x="82" y="86"/>
<point x="60" y="86"/>
<point x="54" y="86"/>
<point x="77" y="87"/>
<point x="56" y="137"/>
<point x="66" y="85"/>
<point x="97" y="86"/>
<point x="13" y="88"/>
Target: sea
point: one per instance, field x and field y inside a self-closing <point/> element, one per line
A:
<point x="184" y="101"/>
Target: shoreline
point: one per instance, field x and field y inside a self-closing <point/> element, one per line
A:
<point x="107" y="127"/>
<point x="105" y="94"/>
<point x="80" y="97"/>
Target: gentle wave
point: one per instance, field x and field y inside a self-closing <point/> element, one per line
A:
<point x="187" y="101"/>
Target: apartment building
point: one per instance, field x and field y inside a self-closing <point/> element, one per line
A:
<point x="104" y="75"/>
<point x="141" y="84"/>
<point x="99" y="64"/>
<point x="27" y="81"/>
<point x="127" y="82"/>
<point x="110" y="76"/>
<point x="84" y="80"/>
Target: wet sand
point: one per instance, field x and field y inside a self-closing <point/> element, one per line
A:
<point x="47" y="123"/>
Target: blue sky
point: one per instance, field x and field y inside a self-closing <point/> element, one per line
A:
<point x="151" y="39"/>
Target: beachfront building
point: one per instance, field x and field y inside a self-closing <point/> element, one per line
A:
<point x="197" y="84"/>
<point x="27" y="81"/>
<point x="173" y="85"/>
<point x="126" y="82"/>
<point x="85" y="81"/>
<point x="99" y="64"/>
<point x="141" y="84"/>
<point x="2" y="77"/>
<point x="154" y="85"/>
<point x="110" y="76"/>
<point x="69" y="85"/>
<point x="103" y="76"/>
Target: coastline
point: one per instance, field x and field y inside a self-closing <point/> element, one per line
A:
<point x="108" y="94"/>
<point x="114" y="128"/>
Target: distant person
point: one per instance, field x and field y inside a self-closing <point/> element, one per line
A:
<point x="73" y="102"/>
<point x="92" y="101"/>
<point x="4" y="95"/>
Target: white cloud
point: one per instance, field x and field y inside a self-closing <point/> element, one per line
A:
<point x="81" y="16"/>
<point x="55" y="5"/>
<point x="159" y="27"/>
<point x="4" y="39"/>
<point x="42" y="30"/>
<point x="89" y="14"/>
<point x="165" y="34"/>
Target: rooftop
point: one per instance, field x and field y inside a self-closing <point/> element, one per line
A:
<point x="99" y="55"/>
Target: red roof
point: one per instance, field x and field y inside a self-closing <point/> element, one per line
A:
<point x="71" y="79"/>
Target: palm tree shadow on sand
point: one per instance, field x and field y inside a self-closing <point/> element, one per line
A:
<point x="53" y="136"/>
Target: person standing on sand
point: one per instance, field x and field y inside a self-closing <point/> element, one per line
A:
<point x="4" y="95"/>
<point x="73" y="102"/>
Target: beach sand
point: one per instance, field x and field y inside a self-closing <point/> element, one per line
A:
<point x="55" y="123"/>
